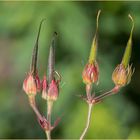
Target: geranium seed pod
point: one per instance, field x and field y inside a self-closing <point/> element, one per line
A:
<point x="121" y="75"/>
<point x="90" y="73"/>
<point x="53" y="91"/>
<point x="91" y="70"/>
<point x="29" y="85"/>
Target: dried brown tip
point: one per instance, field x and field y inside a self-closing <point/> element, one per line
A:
<point x="35" y="51"/>
<point x="51" y="59"/>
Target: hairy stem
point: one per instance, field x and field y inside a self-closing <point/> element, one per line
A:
<point x="88" y="121"/>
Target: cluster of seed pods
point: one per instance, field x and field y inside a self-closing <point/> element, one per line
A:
<point x="50" y="86"/>
<point x="121" y="75"/>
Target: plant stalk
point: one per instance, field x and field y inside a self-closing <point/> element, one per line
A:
<point x="88" y="121"/>
<point x="88" y="91"/>
<point x="49" y="111"/>
<point x="48" y="135"/>
<point x="34" y="107"/>
<point x="106" y="94"/>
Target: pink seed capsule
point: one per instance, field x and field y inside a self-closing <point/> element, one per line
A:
<point x="53" y="91"/>
<point x="29" y="85"/>
<point x="90" y="73"/>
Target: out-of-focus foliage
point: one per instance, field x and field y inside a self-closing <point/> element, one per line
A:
<point x="116" y="117"/>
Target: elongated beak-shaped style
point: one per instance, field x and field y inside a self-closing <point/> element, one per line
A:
<point x="31" y="84"/>
<point x="53" y="85"/>
<point x="91" y="71"/>
<point x="123" y="72"/>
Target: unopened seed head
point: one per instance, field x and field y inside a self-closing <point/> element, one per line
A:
<point x="53" y="91"/>
<point x="90" y="73"/>
<point x="29" y="85"/>
<point x="121" y="75"/>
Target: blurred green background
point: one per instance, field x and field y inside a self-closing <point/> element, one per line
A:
<point x="117" y="116"/>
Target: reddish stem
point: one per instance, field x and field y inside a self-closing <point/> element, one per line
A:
<point x="106" y="94"/>
<point x="34" y="107"/>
